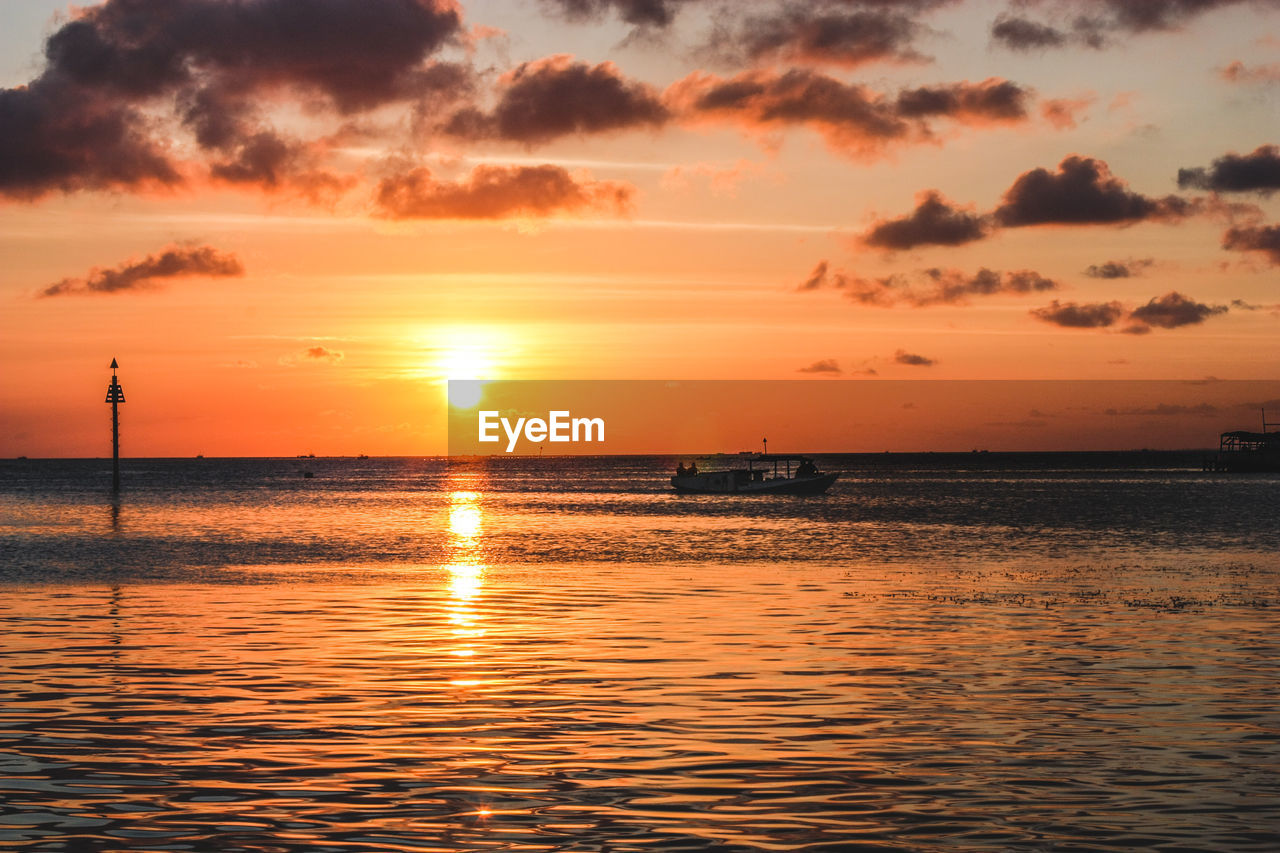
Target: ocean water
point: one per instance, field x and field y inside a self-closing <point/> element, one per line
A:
<point x="946" y="652"/>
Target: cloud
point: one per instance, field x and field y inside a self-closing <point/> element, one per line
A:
<point x="312" y="355"/>
<point x="498" y="192"/>
<point x="817" y="278"/>
<point x="992" y="100"/>
<point x="54" y="139"/>
<point x="1022" y="34"/>
<point x="846" y="38"/>
<point x="1170" y="311"/>
<point x="1165" y="410"/>
<point x="1255" y="238"/>
<point x="641" y="13"/>
<point x="1065" y="113"/>
<point x="1173" y="310"/>
<point x="1256" y="172"/>
<point x="1238" y="72"/>
<point x="1072" y="315"/>
<point x="557" y="96"/>
<point x="172" y="262"/>
<point x="657" y="14"/>
<point x="926" y="287"/>
<point x="1242" y="305"/>
<point x="356" y="53"/>
<point x="934" y="222"/>
<point x="825" y="365"/>
<point x="116" y="74"/>
<point x="322" y="354"/>
<point x="1095" y="23"/>
<point x="1082" y="192"/>
<point x="1120" y="269"/>
<point x="853" y="119"/>
<point x="910" y="358"/>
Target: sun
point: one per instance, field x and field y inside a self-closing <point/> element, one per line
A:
<point x="466" y="358"/>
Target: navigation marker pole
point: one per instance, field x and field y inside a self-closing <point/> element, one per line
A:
<point x="115" y="396"/>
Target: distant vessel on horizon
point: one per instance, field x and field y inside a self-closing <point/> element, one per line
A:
<point x="756" y="478"/>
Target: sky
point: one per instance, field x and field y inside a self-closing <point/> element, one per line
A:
<point x="290" y="222"/>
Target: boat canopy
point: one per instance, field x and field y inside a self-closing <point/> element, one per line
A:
<point x="1258" y="437"/>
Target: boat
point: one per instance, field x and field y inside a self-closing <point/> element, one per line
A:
<point x="1245" y="451"/>
<point x="756" y="474"/>
<point x="1251" y="452"/>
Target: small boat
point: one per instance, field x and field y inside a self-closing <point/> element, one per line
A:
<point x="756" y="474"/>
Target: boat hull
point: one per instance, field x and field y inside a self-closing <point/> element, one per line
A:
<point x="724" y="483"/>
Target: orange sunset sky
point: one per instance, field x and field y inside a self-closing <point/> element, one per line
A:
<point x="290" y="221"/>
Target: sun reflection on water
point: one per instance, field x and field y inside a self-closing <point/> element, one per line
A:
<point x="466" y="570"/>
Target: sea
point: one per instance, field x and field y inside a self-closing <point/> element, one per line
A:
<point x="986" y="651"/>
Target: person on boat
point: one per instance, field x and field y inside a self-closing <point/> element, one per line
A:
<point x="680" y="472"/>
<point x="807" y="469"/>
<point x="693" y="469"/>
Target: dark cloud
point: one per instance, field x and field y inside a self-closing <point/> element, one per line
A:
<point x="557" y="96"/>
<point x="842" y="37"/>
<point x="641" y="13"/>
<point x="1166" y="312"/>
<point x="1120" y="269"/>
<point x="815" y="279"/>
<point x="934" y="222"/>
<point x="825" y="365"/>
<point x="950" y="287"/>
<point x="1096" y="23"/>
<point x="173" y="262"/>
<point x="54" y="139"/>
<point x="1021" y="34"/>
<point x="852" y="118"/>
<point x="1092" y="315"/>
<point x="498" y="192"/>
<point x="1242" y="305"/>
<point x="94" y="116"/>
<point x="1082" y="192"/>
<point x="1148" y="15"/>
<point x="1257" y="172"/>
<point x="660" y="13"/>
<point x="358" y="53"/>
<point x="910" y="358"/>
<point x="927" y="287"/>
<point x="1255" y="238"/>
<point x="1173" y="310"/>
<point x="992" y="100"/>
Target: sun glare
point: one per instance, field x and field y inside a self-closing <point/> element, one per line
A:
<point x="465" y="358"/>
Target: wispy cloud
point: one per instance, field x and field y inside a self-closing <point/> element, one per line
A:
<point x="173" y="262"/>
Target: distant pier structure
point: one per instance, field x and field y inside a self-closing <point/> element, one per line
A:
<point x="1242" y="450"/>
<point x="115" y="396"/>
